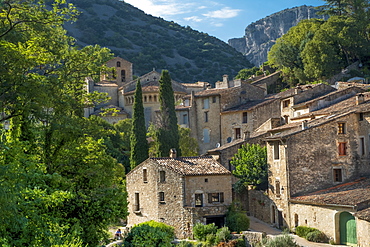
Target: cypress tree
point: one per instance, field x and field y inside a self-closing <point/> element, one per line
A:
<point x="138" y="142"/>
<point x="168" y="132"/>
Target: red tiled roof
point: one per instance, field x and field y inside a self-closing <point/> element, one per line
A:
<point x="193" y="166"/>
<point x="346" y="194"/>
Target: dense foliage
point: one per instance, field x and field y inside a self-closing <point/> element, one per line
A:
<point x="139" y="144"/>
<point x="317" y="49"/>
<point x="59" y="183"/>
<point x="168" y="131"/>
<point x="150" y="42"/>
<point x="251" y="165"/>
<point x="237" y="219"/>
<point x="201" y="231"/>
<point x="280" y="241"/>
<point x="150" y="233"/>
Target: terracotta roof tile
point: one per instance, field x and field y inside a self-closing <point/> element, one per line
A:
<point x="193" y="166"/>
<point x="249" y="105"/>
<point x="348" y="194"/>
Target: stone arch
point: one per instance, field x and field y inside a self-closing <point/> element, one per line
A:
<point x="150" y="98"/>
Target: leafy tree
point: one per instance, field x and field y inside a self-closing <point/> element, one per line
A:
<point x="188" y="145"/>
<point x="150" y="233"/>
<point x="251" y="165"/>
<point x="244" y="74"/>
<point x="201" y="231"/>
<point x="167" y="133"/>
<point x="236" y="219"/>
<point x="139" y="144"/>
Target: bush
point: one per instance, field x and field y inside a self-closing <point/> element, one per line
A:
<point x="223" y="234"/>
<point x="316" y="236"/>
<point x="184" y="244"/>
<point x="281" y="241"/>
<point x="236" y="219"/>
<point x="150" y="233"/>
<point x="302" y="231"/>
<point x="201" y="231"/>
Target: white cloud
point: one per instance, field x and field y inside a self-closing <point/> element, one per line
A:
<point x="223" y="13"/>
<point x="193" y="18"/>
<point x="162" y="8"/>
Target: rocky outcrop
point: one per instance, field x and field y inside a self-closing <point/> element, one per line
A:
<point x="262" y="34"/>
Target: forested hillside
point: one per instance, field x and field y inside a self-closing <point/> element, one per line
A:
<point x="149" y="42"/>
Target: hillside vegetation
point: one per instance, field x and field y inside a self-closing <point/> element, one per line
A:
<point x="150" y="42"/>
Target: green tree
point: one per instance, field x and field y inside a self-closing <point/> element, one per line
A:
<point x="139" y="144"/>
<point x="167" y="133"/>
<point x="188" y="145"/>
<point x="251" y="165"/>
<point x="244" y="74"/>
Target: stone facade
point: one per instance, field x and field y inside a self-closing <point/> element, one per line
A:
<point x="179" y="192"/>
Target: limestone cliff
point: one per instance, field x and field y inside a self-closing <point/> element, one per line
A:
<point x="262" y="34"/>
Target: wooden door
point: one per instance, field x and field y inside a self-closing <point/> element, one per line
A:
<point x="348" y="232"/>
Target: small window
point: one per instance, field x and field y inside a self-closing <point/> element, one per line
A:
<point x="206" y="180"/>
<point x="341" y="128"/>
<point x="237" y="133"/>
<point x="185" y="119"/>
<point x="162" y="176"/>
<point x="137" y="203"/>
<point x="206" y="137"/>
<point x="214" y="99"/>
<point x="342" y="148"/>
<point x="118" y="64"/>
<point x="245" y="117"/>
<point x="161" y="196"/>
<point x="337" y="174"/>
<point x="215" y="197"/>
<point x="145" y="175"/>
<point x="199" y="200"/>
<point x="277" y="188"/>
<point x="206" y="116"/>
<point x="361" y="116"/>
<point x="123" y="75"/>
<point x="286" y="103"/>
<point x="362" y="146"/>
<point x="206" y="103"/>
<point x="276" y="151"/>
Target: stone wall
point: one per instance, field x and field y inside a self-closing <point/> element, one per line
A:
<point x="260" y="205"/>
<point x="124" y="65"/>
<point x="363" y="230"/>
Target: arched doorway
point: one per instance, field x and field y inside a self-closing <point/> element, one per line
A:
<point x="347" y="226"/>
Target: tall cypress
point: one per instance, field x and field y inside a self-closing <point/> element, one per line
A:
<point x="138" y="142"/>
<point x="168" y="132"/>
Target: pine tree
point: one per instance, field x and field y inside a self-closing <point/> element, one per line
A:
<point x="138" y="142"/>
<point x="168" y="133"/>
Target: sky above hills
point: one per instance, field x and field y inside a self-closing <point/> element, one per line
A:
<point x="223" y="19"/>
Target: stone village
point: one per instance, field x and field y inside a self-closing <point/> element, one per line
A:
<point x="318" y="148"/>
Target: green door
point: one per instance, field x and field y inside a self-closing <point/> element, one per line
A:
<point x="348" y="233"/>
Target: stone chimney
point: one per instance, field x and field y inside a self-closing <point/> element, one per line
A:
<point x="297" y="90"/>
<point x="304" y="125"/>
<point x="225" y="79"/>
<point x="173" y="153"/>
<point x="360" y="98"/>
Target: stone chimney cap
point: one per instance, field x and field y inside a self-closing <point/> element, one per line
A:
<point x="173" y="153"/>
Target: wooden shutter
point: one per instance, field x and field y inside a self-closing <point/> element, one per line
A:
<point x="209" y="197"/>
<point x="222" y="197"/>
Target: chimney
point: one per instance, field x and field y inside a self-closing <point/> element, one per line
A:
<point x="173" y="153"/>
<point x="360" y="98"/>
<point x="304" y="125"/>
<point x="225" y="79"/>
<point x="297" y="90"/>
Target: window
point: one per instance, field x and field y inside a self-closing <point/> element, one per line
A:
<point x="118" y="64"/>
<point x="199" y="200"/>
<point x="342" y="148"/>
<point x="206" y="180"/>
<point x="237" y="133"/>
<point x="286" y="119"/>
<point x="206" y="103"/>
<point x="362" y="146"/>
<point x="214" y="99"/>
<point x="161" y="196"/>
<point x="145" y="175"/>
<point x="245" y="117"/>
<point x="215" y="197"/>
<point x="206" y="116"/>
<point x="123" y="75"/>
<point x="361" y="117"/>
<point x="185" y="119"/>
<point x="337" y="174"/>
<point x="286" y="103"/>
<point x="277" y="188"/>
<point x="162" y="176"/>
<point x="341" y="128"/>
<point x="276" y="151"/>
<point x="206" y="138"/>
<point x="137" y="203"/>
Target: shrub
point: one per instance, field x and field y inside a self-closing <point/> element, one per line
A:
<point x="201" y="231"/>
<point x="184" y="244"/>
<point x="211" y="239"/>
<point x="237" y="221"/>
<point x="316" y="236"/>
<point x="302" y="231"/>
<point x="150" y="233"/>
<point x="223" y="234"/>
<point x="281" y="241"/>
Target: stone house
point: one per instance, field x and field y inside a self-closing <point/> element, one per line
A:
<point x="179" y="192"/>
<point x="315" y="167"/>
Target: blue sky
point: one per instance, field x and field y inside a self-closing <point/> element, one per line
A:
<point x="223" y="19"/>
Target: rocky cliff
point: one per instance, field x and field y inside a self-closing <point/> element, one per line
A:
<point x="262" y="34"/>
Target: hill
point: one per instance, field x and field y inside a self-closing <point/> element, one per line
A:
<point x="261" y="35"/>
<point x="150" y="42"/>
